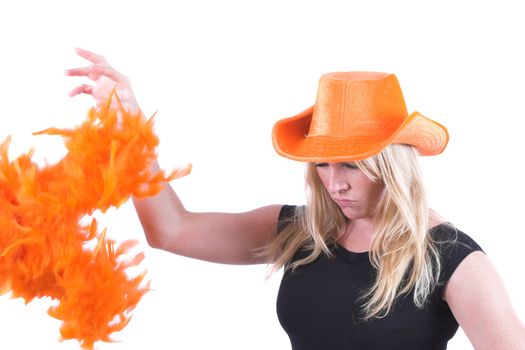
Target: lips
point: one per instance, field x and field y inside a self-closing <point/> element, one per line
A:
<point x="344" y="202"/>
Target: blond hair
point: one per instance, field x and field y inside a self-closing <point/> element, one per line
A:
<point x="402" y="252"/>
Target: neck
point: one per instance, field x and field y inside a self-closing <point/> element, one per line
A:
<point x="358" y="235"/>
<point x="363" y="226"/>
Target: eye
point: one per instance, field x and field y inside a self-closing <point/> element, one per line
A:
<point x="350" y="165"/>
<point x="321" y="165"/>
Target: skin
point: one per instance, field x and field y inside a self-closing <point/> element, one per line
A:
<point x="475" y="292"/>
<point x="357" y="196"/>
<point x="345" y="182"/>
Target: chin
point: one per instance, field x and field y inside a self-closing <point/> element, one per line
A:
<point x="352" y="214"/>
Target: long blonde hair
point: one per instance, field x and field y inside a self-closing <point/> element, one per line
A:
<point x="402" y="252"/>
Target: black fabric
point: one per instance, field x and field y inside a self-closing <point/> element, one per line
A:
<point x="318" y="305"/>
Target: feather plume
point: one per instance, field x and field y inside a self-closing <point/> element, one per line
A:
<point x="43" y="245"/>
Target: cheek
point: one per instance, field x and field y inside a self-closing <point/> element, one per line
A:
<point x="375" y="192"/>
<point x="322" y="176"/>
<point x="371" y="191"/>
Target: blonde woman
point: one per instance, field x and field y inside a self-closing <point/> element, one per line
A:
<point x="367" y="264"/>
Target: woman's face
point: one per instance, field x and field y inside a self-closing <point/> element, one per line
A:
<point x="350" y="188"/>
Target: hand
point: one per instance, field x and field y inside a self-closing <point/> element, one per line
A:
<point x="105" y="79"/>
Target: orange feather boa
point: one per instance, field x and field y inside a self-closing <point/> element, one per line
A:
<point x="43" y="244"/>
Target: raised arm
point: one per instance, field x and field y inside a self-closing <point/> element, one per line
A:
<point x="229" y="238"/>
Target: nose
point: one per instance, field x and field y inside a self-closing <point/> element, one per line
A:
<point x="337" y="182"/>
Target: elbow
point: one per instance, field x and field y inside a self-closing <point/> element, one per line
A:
<point x="156" y="239"/>
<point x="153" y="242"/>
<point x="162" y="240"/>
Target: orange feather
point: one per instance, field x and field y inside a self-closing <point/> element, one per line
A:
<point x="42" y="243"/>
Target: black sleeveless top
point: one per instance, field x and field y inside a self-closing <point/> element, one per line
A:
<point x="318" y="305"/>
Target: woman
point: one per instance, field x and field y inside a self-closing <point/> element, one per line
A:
<point x="368" y="265"/>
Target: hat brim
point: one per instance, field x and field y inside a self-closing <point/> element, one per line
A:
<point x="290" y="140"/>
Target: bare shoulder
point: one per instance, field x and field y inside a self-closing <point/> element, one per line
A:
<point x="434" y="219"/>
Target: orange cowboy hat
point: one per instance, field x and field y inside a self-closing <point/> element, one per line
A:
<point x="356" y="115"/>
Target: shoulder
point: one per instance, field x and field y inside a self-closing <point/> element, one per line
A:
<point x="451" y="241"/>
<point x="288" y="215"/>
<point x="286" y="212"/>
<point x="453" y="246"/>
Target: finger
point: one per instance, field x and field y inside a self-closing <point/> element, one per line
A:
<point x="84" y="71"/>
<point x="94" y="73"/>
<point x="108" y="72"/>
<point x="92" y="57"/>
<point x="82" y="89"/>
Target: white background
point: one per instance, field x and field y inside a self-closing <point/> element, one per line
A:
<point x="219" y="74"/>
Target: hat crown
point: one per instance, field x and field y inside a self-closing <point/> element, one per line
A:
<point x="357" y="104"/>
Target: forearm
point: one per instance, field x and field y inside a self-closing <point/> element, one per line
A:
<point x="159" y="214"/>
